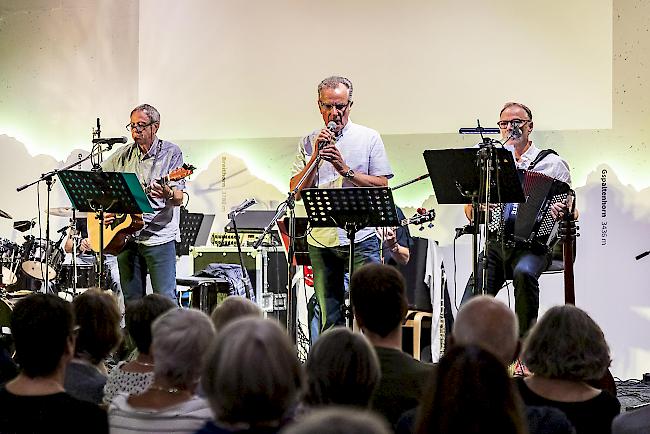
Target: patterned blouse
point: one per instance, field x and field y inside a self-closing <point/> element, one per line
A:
<point x="120" y="380"/>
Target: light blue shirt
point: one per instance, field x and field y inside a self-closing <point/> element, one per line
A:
<point x="162" y="225"/>
<point x="362" y="149"/>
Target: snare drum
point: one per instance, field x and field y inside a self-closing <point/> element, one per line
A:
<point x="35" y="250"/>
<point x="86" y="276"/>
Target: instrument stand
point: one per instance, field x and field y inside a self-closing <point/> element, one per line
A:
<point x="477" y="177"/>
<point x="289" y="203"/>
<point x="351" y="209"/>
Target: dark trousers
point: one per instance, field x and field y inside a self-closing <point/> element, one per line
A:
<point x="136" y="260"/>
<point x="330" y="266"/>
<point x="523" y="266"/>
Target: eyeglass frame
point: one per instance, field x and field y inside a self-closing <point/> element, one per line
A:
<point x="336" y="106"/>
<point x="517" y="122"/>
<point x="131" y="126"/>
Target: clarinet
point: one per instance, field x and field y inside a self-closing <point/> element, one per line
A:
<point x="443" y="328"/>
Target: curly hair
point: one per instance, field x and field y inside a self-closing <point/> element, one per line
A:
<point x="566" y="343"/>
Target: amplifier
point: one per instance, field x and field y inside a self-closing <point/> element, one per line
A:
<point x="266" y="267"/>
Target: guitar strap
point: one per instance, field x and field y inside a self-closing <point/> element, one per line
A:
<point x="155" y="161"/>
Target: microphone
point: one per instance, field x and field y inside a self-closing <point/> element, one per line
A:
<point x="111" y="141"/>
<point x="516" y="132"/>
<point x="331" y="125"/>
<point x="63" y="229"/>
<point x="239" y="209"/>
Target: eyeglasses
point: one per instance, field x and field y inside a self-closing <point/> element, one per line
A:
<point x="516" y="123"/>
<point x="339" y="107"/>
<point x="139" y="126"/>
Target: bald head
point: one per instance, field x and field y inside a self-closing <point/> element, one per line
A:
<point x="490" y="324"/>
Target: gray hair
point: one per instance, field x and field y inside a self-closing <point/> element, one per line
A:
<point x="488" y="323"/>
<point x="252" y="374"/>
<point x="566" y="343"/>
<point x="232" y="308"/>
<point x="339" y="420"/>
<point x="333" y="82"/>
<point x="150" y="110"/>
<point x="180" y="339"/>
<point x="520" y="105"/>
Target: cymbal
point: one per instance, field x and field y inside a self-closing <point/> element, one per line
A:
<point x="65" y="211"/>
<point x="5" y="215"/>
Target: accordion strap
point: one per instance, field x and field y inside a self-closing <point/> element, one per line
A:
<point x="540" y="157"/>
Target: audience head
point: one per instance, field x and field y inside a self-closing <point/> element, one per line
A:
<point x="339" y="420"/>
<point x="378" y="297"/>
<point x="98" y="318"/>
<point x="141" y="313"/>
<point x="42" y="330"/>
<point x="472" y="393"/>
<point x="180" y="340"/>
<point x="490" y="324"/>
<point x="232" y="308"/>
<point x="252" y="374"/>
<point x="342" y="368"/>
<point x="567" y="344"/>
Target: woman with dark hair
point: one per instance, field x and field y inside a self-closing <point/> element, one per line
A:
<point x="342" y="368"/>
<point x="471" y="393"/>
<point x="565" y="350"/>
<point x="97" y="318"/>
<point x="135" y="376"/>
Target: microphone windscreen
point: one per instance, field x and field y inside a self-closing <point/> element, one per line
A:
<point x="331" y="125"/>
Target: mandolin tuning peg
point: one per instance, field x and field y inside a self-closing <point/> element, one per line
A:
<point x="430" y="225"/>
<point x="421" y="228"/>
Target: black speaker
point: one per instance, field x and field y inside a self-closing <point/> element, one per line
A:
<point x="417" y="292"/>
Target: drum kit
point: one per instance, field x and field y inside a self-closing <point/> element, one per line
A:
<point x="26" y="266"/>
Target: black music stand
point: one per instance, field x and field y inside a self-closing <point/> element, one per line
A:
<point x="351" y="209"/>
<point x="101" y="192"/>
<point x="459" y="176"/>
<point x="195" y="230"/>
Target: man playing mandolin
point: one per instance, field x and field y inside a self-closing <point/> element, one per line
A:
<point x="152" y="249"/>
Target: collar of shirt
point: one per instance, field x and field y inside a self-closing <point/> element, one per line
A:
<point x="152" y="149"/>
<point x="527" y="157"/>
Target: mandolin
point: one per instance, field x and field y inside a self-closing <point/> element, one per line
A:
<point x="117" y="233"/>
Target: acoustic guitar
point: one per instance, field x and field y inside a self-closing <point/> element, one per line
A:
<point x="117" y="233"/>
<point x="568" y="234"/>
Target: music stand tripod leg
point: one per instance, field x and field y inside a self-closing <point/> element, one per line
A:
<point x="351" y="229"/>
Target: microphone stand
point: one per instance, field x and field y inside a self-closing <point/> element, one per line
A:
<point x="247" y="279"/>
<point x="290" y="203"/>
<point x="48" y="177"/>
<point x="404" y="184"/>
<point x="486" y="163"/>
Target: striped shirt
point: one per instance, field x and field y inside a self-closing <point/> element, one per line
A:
<point x="187" y="417"/>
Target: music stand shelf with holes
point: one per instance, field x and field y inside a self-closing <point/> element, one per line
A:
<point x="100" y="192"/>
<point x="459" y="177"/>
<point x="350" y="209"/>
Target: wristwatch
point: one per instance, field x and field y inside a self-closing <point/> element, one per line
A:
<point x="349" y="174"/>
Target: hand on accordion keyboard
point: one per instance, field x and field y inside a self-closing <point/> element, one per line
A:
<point x="558" y="210"/>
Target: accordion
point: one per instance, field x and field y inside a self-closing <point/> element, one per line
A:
<point x="530" y="222"/>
